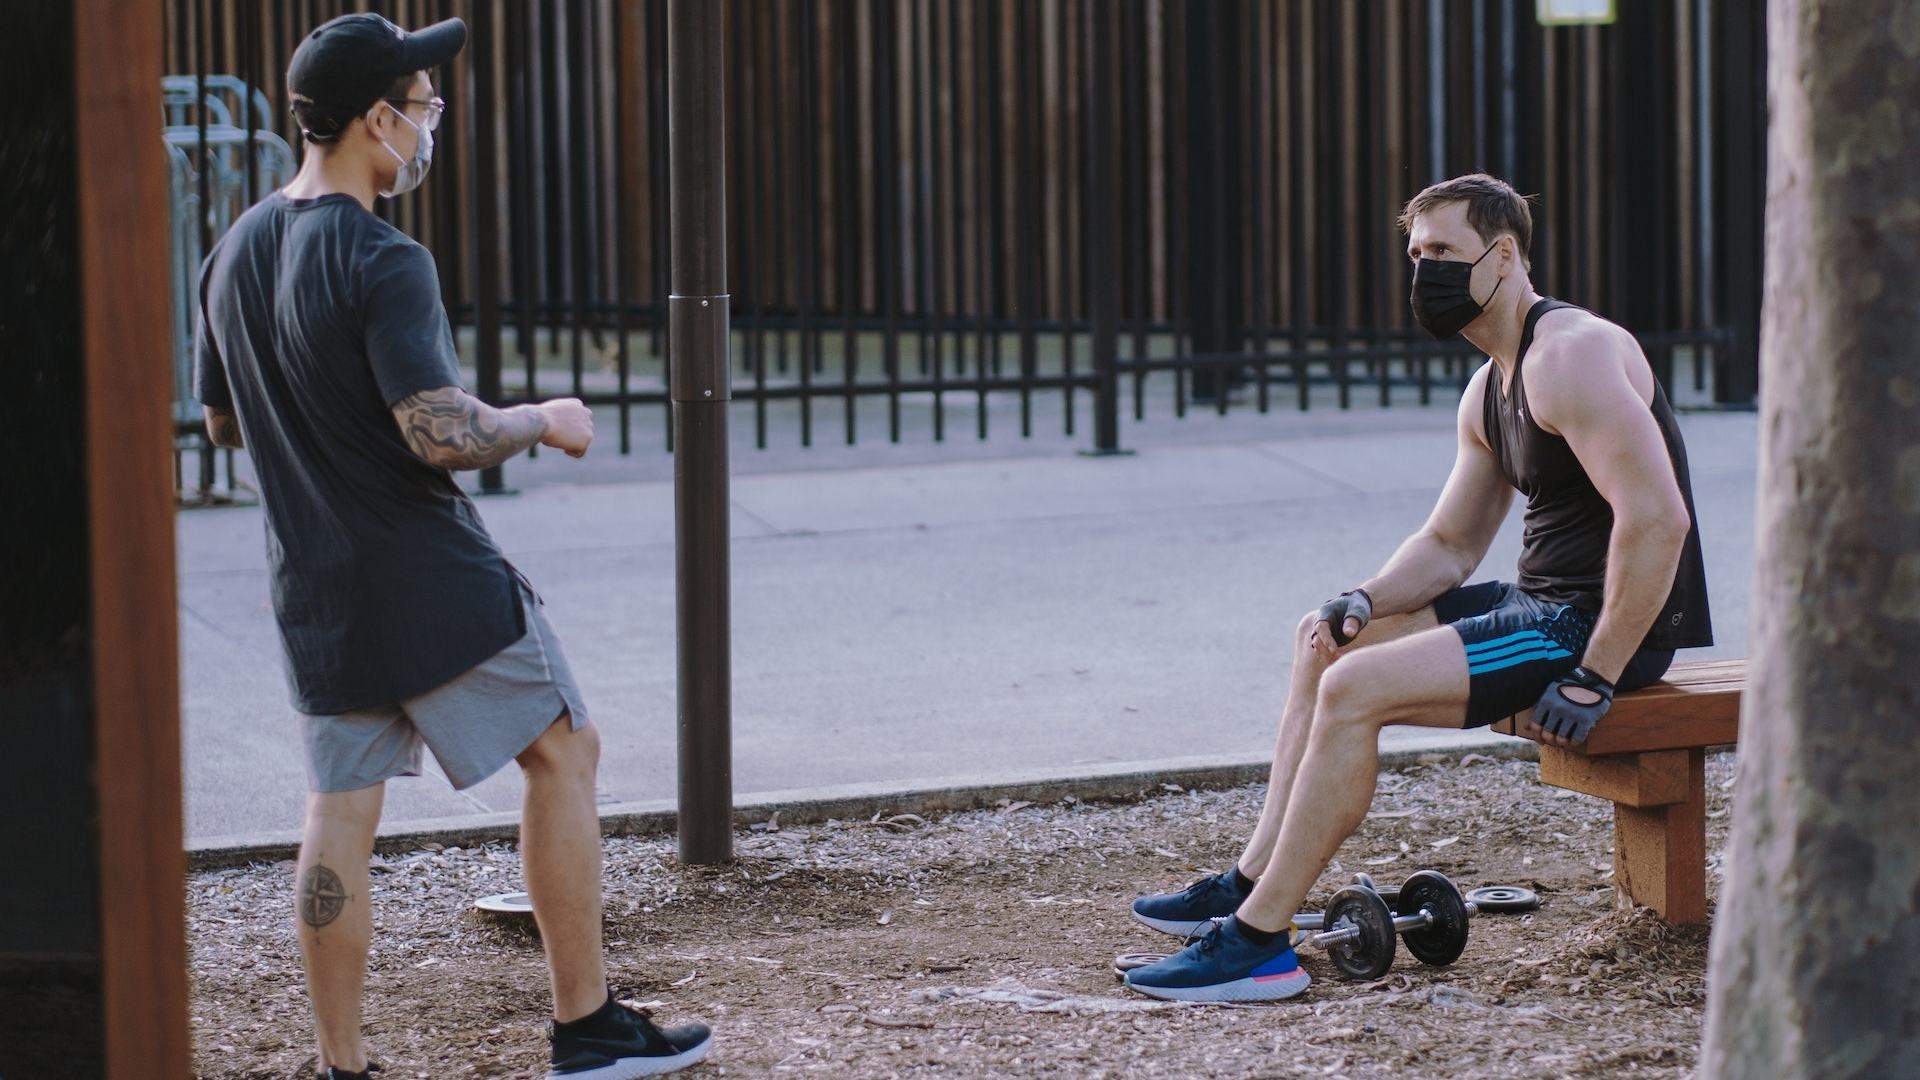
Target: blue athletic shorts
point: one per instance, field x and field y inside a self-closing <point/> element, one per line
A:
<point x="1517" y="644"/>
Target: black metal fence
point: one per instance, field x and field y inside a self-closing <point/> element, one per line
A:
<point x="924" y="208"/>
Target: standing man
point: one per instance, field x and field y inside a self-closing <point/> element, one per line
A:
<point x="1610" y="583"/>
<point x="324" y="349"/>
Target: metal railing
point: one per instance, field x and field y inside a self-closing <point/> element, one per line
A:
<point x="217" y="168"/>
<point x="921" y="212"/>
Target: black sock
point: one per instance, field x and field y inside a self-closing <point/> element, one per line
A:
<point x="1258" y="936"/>
<point x="1241" y="882"/>
<point x="591" y="1021"/>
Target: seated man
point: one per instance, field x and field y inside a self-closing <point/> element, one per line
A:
<point x="1610" y="583"/>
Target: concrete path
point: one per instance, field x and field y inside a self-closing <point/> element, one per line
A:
<point x="919" y="614"/>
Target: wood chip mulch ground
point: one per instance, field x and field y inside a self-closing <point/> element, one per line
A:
<point x="980" y="944"/>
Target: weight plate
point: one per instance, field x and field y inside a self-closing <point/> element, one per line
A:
<point x="1365" y="881"/>
<point x="1370" y="955"/>
<point x="516" y="903"/>
<point x="1494" y="899"/>
<point x="1442" y="942"/>
<point x="1127" y="961"/>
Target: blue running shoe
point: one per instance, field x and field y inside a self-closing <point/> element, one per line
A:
<point x="1192" y="910"/>
<point x="1225" y="965"/>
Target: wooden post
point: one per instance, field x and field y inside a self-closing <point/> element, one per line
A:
<point x="93" y="943"/>
<point x="1660" y="852"/>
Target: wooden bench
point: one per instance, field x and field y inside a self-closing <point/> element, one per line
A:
<point x="1648" y="757"/>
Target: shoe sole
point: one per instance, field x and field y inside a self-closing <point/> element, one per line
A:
<point x="629" y="1068"/>
<point x="1180" y="928"/>
<point x="1264" y="988"/>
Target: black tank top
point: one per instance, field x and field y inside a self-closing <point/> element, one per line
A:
<point x="1568" y="525"/>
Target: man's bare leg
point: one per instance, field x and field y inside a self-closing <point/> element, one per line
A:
<point x="1296" y="721"/>
<point x="560" y="853"/>
<point x="1421" y="679"/>
<point x="335" y="918"/>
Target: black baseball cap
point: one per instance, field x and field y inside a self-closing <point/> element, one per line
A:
<point x="346" y="65"/>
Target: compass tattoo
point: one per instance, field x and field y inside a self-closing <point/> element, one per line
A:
<point x="322" y="897"/>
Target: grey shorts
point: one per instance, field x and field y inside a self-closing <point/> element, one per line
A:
<point x="474" y="724"/>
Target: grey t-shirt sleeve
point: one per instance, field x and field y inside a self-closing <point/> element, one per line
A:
<point x="409" y="344"/>
<point x="209" y="374"/>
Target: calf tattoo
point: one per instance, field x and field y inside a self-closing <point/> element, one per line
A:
<point x="453" y="429"/>
<point x="322" y="897"/>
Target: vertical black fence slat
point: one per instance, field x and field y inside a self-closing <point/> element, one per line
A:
<point x="1129" y="191"/>
<point x="578" y="169"/>
<point x="810" y="214"/>
<point x="846" y="201"/>
<point x="782" y="105"/>
<point x="886" y="201"/>
<point x="1334" y="239"/>
<point x="1299" y="316"/>
<point x="659" y="192"/>
<point x="982" y="183"/>
<point x="486" y="221"/>
<point x="617" y="221"/>
<point x="526" y="260"/>
<point x="919" y="205"/>
<point x="1068" y="175"/>
<point x="556" y="240"/>
<point x="743" y="128"/>
<point x="1257" y="252"/>
<point x="1103" y="71"/>
<point x="1030" y="260"/>
<point x="1373" y="244"/>
<point x="940" y="215"/>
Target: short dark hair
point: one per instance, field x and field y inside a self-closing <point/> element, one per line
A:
<point x="1493" y="207"/>
<point x="324" y="123"/>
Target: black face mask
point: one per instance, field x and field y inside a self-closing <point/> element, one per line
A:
<point x="1442" y="300"/>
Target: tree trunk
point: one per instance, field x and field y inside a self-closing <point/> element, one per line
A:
<point x="1816" y="952"/>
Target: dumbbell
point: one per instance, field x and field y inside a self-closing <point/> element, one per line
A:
<point x="1359" y="929"/>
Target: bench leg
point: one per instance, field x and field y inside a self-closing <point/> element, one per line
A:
<point x="1660" y="853"/>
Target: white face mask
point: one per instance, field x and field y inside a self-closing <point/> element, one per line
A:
<point x="414" y="169"/>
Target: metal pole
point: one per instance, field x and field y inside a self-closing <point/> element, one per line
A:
<point x="697" y="341"/>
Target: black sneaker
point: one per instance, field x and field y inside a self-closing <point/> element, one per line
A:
<point x="337" y="1073"/>
<point x="618" y="1043"/>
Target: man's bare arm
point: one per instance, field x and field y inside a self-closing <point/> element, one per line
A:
<point x="223" y="427"/>
<point x="1463" y="523"/>
<point x="451" y="429"/>
<point x="1580" y="388"/>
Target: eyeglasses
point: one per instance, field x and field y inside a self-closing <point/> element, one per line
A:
<point x="435" y="106"/>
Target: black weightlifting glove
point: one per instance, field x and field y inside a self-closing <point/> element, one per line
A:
<point x="1355" y="604"/>
<point x="1558" y="714"/>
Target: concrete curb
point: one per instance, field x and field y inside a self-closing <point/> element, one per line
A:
<point x="1108" y="782"/>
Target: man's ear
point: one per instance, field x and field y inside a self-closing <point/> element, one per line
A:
<point x="376" y="120"/>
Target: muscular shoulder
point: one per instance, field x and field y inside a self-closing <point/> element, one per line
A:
<point x="1577" y="364"/>
<point x="1473" y="415"/>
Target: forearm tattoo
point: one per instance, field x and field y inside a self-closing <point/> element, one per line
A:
<point x="454" y="430"/>
<point x="322" y="897"/>
<point x="224" y="429"/>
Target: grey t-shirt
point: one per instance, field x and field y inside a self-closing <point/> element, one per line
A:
<point x="316" y="317"/>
